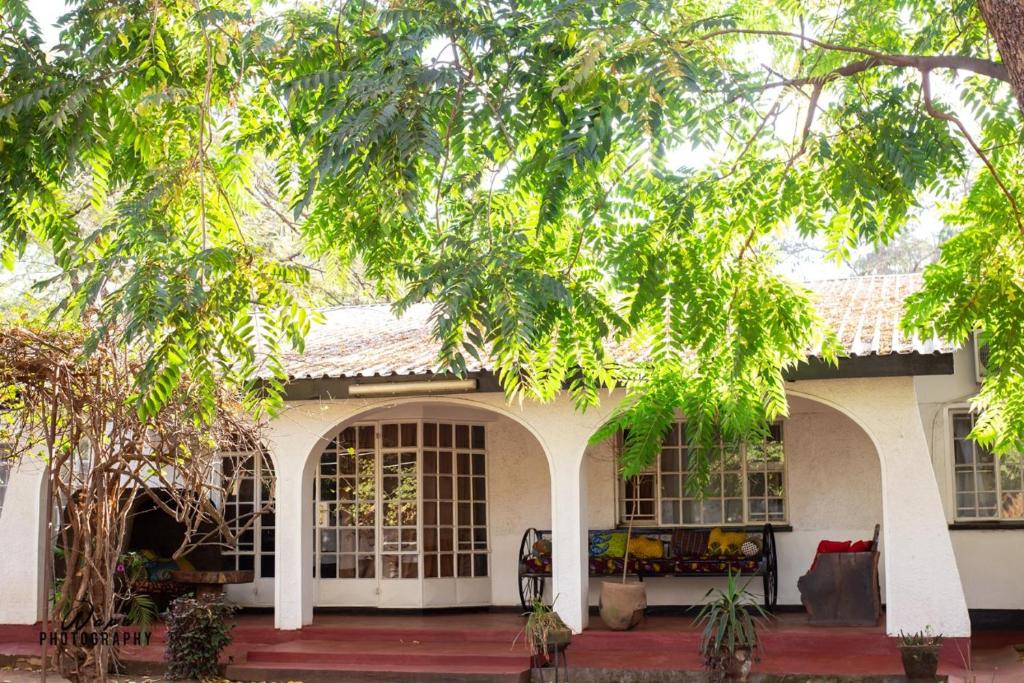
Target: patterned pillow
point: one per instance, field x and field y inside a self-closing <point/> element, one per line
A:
<point x="726" y="543"/>
<point x="542" y="548"/>
<point x="599" y="543"/>
<point x="616" y="544"/>
<point x="689" y="542"/>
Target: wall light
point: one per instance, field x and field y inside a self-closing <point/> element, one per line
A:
<point x="438" y="386"/>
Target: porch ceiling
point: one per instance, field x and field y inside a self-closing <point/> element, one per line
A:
<point x="370" y="341"/>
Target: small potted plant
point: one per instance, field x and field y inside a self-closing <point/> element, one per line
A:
<point x="729" y="640"/>
<point x="546" y="634"/>
<point x="920" y="653"/>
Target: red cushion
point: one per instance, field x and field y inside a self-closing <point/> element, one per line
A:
<point x="860" y="547"/>
<point x="833" y="547"/>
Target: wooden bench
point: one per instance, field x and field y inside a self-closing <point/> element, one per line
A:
<point x="841" y="589"/>
<point x="535" y="567"/>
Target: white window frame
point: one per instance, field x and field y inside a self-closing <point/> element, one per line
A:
<point x="656" y="520"/>
<point x="261" y="460"/>
<point x="952" y="412"/>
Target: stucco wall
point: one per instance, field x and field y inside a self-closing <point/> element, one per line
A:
<point x="22" y="537"/>
<point x="989" y="561"/>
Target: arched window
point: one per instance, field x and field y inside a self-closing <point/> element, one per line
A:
<point x="249" y="510"/>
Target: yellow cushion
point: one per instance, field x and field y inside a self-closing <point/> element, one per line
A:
<point x="646" y="548"/>
<point x="725" y="542"/>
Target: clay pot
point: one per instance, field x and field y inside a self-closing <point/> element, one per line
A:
<point x="737" y="665"/>
<point x="622" y="604"/>
<point x="920" y="662"/>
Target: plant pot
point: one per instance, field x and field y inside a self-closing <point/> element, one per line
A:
<point x="622" y="604"/>
<point x="556" y="639"/>
<point x="920" y="662"/>
<point x="736" y="666"/>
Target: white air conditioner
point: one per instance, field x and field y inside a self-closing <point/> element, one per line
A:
<point x="980" y="355"/>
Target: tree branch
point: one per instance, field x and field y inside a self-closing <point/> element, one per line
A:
<point x="983" y="67"/>
<point x="926" y="89"/>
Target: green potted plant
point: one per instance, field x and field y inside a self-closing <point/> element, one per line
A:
<point x="546" y="633"/>
<point x="729" y="640"/>
<point x="920" y="653"/>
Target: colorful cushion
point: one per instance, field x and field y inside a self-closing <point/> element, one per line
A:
<point x="725" y="543"/>
<point x="646" y="547"/>
<point x="689" y="542"/>
<point x="542" y="548"/>
<point x="616" y="545"/>
<point x="599" y="543"/>
<point x="826" y="547"/>
<point x="750" y="548"/>
<point x="860" y="547"/>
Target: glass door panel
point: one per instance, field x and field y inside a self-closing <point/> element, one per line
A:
<point x="346" y="518"/>
<point x="399" y="496"/>
<point x="454" y="501"/>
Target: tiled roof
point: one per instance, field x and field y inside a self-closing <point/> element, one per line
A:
<point x="364" y="341"/>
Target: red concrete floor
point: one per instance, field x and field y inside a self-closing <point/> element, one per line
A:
<point x="485" y="644"/>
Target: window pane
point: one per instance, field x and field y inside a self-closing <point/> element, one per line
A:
<point x="691" y="512"/>
<point x="962" y="425"/>
<point x="733" y="485"/>
<point x="670" y="486"/>
<point x="712" y="510"/>
<point x="670" y="460"/>
<point x="670" y="512"/>
<point x="734" y="510"/>
<point x="963" y="452"/>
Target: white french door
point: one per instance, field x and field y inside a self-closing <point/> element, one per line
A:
<point x="400" y="510"/>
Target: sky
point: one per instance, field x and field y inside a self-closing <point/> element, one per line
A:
<point x="809" y="265"/>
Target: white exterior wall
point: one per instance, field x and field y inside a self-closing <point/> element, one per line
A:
<point x="922" y="580"/>
<point x="23" y="538"/>
<point x="989" y="560"/>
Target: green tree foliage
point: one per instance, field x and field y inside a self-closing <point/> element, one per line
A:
<point x="586" y="189"/>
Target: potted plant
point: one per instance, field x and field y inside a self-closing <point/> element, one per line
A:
<point x="920" y="653"/>
<point x="546" y="633"/>
<point x="622" y="604"/>
<point x="729" y="640"/>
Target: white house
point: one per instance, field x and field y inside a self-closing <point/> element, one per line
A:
<point x="445" y="476"/>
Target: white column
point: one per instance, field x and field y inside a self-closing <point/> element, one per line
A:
<point x="293" y="559"/>
<point x="922" y="581"/>
<point x="24" y="538"/>
<point x="570" y="571"/>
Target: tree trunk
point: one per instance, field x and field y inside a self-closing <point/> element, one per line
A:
<point x="1005" y="21"/>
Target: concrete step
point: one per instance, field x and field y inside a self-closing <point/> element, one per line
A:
<point x="408" y="652"/>
<point x="375" y="673"/>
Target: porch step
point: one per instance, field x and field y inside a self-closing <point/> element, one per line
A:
<point x="413" y="653"/>
<point x="391" y="673"/>
<point x="387" y="655"/>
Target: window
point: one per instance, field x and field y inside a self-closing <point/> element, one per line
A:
<point x="748" y="485"/>
<point x="987" y="486"/>
<point x="248" y="481"/>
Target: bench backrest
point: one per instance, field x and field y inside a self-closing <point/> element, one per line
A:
<point x="676" y="541"/>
